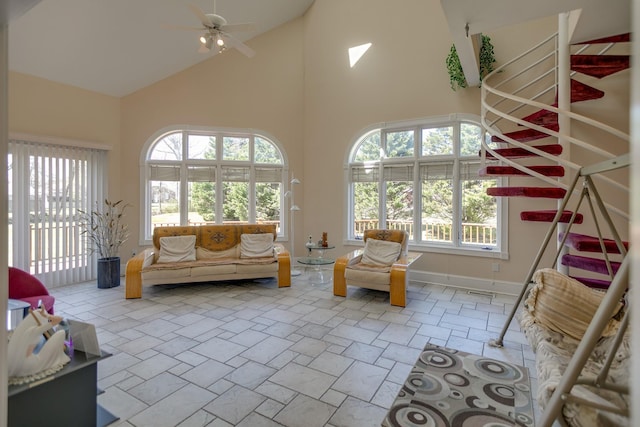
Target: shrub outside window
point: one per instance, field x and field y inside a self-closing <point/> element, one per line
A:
<point x="217" y="177"/>
<point x="422" y="177"/>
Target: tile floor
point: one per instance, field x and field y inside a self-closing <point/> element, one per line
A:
<point x="252" y="354"/>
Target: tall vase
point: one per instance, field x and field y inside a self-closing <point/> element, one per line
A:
<point x="108" y="272"/>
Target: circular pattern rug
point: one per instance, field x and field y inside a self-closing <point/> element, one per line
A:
<point x="449" y="388"/>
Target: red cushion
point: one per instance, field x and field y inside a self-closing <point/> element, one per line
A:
<point x="24" y="286"/>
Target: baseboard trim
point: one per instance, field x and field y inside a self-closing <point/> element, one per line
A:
<point x="466" y="282"/>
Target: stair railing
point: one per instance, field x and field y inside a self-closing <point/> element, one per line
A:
<point x="520" y="85"/>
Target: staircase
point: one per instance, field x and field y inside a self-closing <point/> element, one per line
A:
<point x="521" y="97"/>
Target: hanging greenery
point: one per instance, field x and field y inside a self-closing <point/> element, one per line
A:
<point x="456" y="75"/>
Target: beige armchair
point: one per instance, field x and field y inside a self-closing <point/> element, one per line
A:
<point x="382" y="269"/>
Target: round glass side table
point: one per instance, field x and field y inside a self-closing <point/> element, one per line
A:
<point x="319" y="275"/>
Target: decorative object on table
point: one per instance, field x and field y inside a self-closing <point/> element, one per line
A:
<point x="309" y="244"/>
<point x="25" y="362"/>
<point x="293" y="209"/>
<point x="325" y="242"/>
<point x="105" y="231"/>
<point x="28" y="288"/>
<point x="451" y="387"/>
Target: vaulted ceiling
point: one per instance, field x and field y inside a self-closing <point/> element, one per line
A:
<point x="116" y="47"/>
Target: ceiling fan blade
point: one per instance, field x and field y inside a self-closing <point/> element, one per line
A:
<point x="243" y="48"/>
<point x="239" y="28"/>
<point x="200" y="14"/>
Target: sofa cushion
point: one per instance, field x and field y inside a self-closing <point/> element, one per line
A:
<point x="564" y="305"/>
<point x="256" y="245"/>
<point x="380" y="253"/>
<point x="177" y="249"/>
<point x="271" y="268"/>
<point x="204" y="253"/>
<point x="209" y="269"/>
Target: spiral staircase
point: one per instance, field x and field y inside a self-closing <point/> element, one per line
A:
<point x="529" y="142"/>
<point x="537" y="139"/>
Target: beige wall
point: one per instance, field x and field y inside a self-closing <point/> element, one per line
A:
<point x="299" y="88"/>
<point x="42" y="108"/>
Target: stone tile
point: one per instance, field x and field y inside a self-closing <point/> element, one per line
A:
<point x="356" y="413"/>
<point x="354" y="333"/>
<point x="401" y="354"/>
<point x="219" y="349"/>
<point x="330" y="363"/>
<point x="249" y="338"/>
<point x="173" y="409"/>
<point x="199" y="419"/>
<point x="386" y="394"/>
<point x="363" y="352"/>
<point x="398" y="334"/>
<point x="276" y="392"/>
<point x="361" y="380"/>
<point x="305" y="412"/>
<point x="303" y="380"/>
<point x="153" y="366"/>
<point x="176" y="346"/>
<point x="250" y="375"/>
<point x="207" y="373"/>
<point x="256" y="420"/>
<point x="269" y="408"/>
<point x="235" y="404"/>
<point x="157" y="388"/>
<point x="309" y="346"/>
<point x="267" y="349"/>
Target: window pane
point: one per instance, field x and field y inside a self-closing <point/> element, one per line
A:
<point x="479" y="213"/>
<point x="235" y="148"/>
<point x="202" y="202"/>
<point x="164" y="203"/>
<point x="470" y="139"/>
<point x="168" y="148"/>
<point x="266" y="152"/>
<point x="437" y="141"/>
<point x="369" y="148"/>
<point x="437" y="207"/>
<point x="202" y="147"/>
<point x="236" y="202"/>
<point x="268" y="203"/>
<point x="400" y="144"/>
<point x="365" y="210"/>
<point x="399" y="206"/>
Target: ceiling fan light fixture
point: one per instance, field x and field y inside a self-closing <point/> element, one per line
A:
<point x="219" y="41"/>
<point x="206" y="40"/>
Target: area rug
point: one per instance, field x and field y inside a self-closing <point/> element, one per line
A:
<point x="448" y="387"/>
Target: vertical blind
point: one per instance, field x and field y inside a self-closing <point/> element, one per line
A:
<point x="48" y="184"/>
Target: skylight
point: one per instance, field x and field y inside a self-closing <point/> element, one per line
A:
<point x="356" y="52"/>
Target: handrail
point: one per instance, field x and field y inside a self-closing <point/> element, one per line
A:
<point x="496" y="92"/>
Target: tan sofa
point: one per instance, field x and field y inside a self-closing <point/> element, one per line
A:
<point x="218" y="256"/>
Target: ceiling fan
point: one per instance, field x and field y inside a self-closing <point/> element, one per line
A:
<point x="216" y="32"/>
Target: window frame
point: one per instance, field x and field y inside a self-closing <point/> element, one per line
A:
<point x="416" y="243"/>
<point x="219" y="163"/>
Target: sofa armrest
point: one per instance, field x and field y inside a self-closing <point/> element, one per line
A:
<point x="133" y="275"/>
<point x="399" y="278"/>
<point x="341" y="264"/>
<point x="284" y="265"/>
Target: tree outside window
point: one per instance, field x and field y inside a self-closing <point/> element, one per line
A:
<point x="423" y="177"/>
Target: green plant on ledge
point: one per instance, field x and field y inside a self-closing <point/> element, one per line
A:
<point x="456" y="75"/>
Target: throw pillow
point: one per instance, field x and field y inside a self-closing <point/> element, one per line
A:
<point x="177" y="249"/>
<point x="380" y="252"/>
<point x="562" y="304"/>
<point x="256" y="245"/>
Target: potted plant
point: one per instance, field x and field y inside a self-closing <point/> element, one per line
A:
<point x="454" y="68"/>
<point x="105" y="231"/>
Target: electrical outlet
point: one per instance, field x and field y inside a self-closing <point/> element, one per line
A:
<point x="495" y="267"/>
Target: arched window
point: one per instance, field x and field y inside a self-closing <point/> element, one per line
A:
<point x="422" y="176"/>
<point x="214" y="176"/>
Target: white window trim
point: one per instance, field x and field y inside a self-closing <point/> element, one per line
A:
<point x="502" y="252"/>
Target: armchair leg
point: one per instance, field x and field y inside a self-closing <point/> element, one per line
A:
<point x="339" y="283"/>
<point x="398" y="287"/>
<point x="284" y="271"/>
